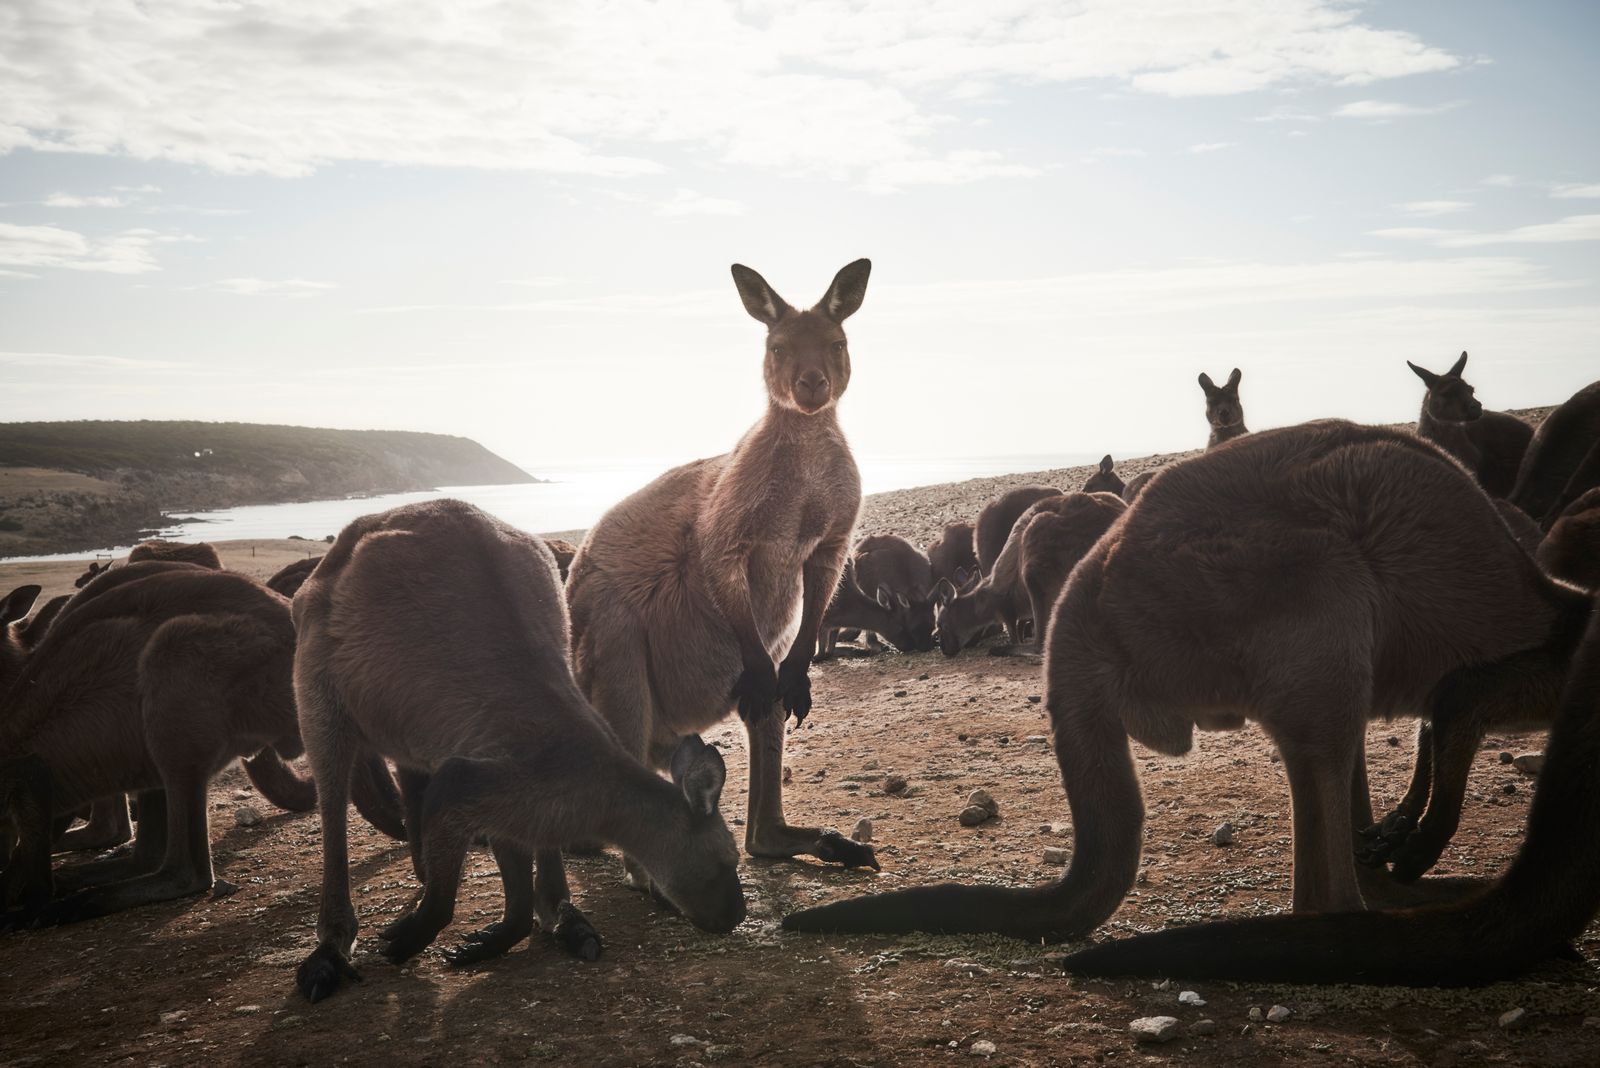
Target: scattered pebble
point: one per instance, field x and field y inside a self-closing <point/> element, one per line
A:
<point x="894" y="784"/>
<point x="1506" y="758"/>
<point x="685" y="1040"/>
<point x="1223" y="835"/>
<point x="982" y="799"/>
<point x="981" y="1048"/>
<point x="871" y="765"/>
<point x="973" y="815"/>
<point x="1203" y="1027"/>
<point x="899" y="693"/>
<point x="1256" y="1015"/>
<point x="1529" y="763"/>
<point x="788" y="775"/>
<point x="246" y="1010"/>
<point x="1154" y="1028"/>
<point x="1279" y="1013"/>
<point x="174" y="1017"/>
<point x="1034" y="698"/>
<point x="1513" y="1019"/>
<point x="1393" y="741"/>
<point x="247" y="816"/>
<point x="1509" y="788"/>
<point x="863" y="831"/>
<point x="1190" y="997"/>
<point x="1035" y="739"/>
<point x="922" y="677"/>
<point x="1054" y="855"/>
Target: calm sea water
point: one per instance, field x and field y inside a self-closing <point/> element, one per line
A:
<point x="573" y="498"/>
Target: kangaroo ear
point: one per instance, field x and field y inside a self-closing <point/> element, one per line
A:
<point x="1106" y="464"/>
<point x="698" y="770"/>
<point x="1429" y="379"/>
<point x="1206" y="384"/>
<point x="1457" y="367"/>
<point x="944" y="592"/>
<point x="884" y="598"/>
<point x="760" y="300"/>
<point x="17" y="603"/>
<point x="848" y="290"/>
<point x="902" y="600"/>
<point x="1233" y="379"/>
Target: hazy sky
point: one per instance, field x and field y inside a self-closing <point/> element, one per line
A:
<point x="515" y="220"/>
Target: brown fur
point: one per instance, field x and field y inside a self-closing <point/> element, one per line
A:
<point x="1571" y="552"/>
<point x="998" y="598"/>
<point x="288" y="579"/>
<point x="437" y="636"/>
<point x="1489" y="444"/>
<point x="1296" y="578"/>
<point x="951" y="555"/>
<point x="1563" y="459"/>
<point x="852" y="609"/>
<point x="706" y="589"/>
<point x="1105" y="479"/>
<point x="1137" y="483"/>
<point x="999" y="516"/>
<point x="1053" y="542"/>
<point x="202" y="553"/>
<point x="1224" y="410"/>
<point x="564" y="551"/>
<point x="896" y="574"/>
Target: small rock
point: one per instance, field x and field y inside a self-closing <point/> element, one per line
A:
<point x="1035" y="739"/>
<point x="174" y="1017"/>
<point x="246" y="1010"/>
<point x="1393" y="741"/>
<point x="970" y="967"/>
<point x="1004" y="739"/>
<point x="1154" y="1028"/>
<point x="894" y="784"/>
<point x="961" y="737"/>
<point x="1203" y="1027"/>
<point x="973" y="815"/>
<point x="1190" y="997"/>
<point x="1512" y="1020"/>
<point x="1529" y="763"/>
<point x="1506" y="758"/>
<point x="247" y="816"/>
<point x="1056" y="856"/>
<point x="1034" y="699"/>
<point x="982" y="799"/>
<point x="899" y="693"/>
<point x="871" y="765"/>
<point x="1278" y="1013"/>
<point x="1256" y="1015"/>
<point x="981" y="1048"/>
<point x="222" y="888"/>
<point x="1223" y="835"/>
<point x="863" y="831"/>
<point x="922" y="677"/>
<point x="788" y="775"/>
<point x="1509" y="788"/>
<point x="685" y="1040"/>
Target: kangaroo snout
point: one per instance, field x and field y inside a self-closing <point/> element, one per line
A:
<point x="812" y="390"/>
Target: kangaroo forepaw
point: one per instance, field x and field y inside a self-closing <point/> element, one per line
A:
<point x="1379" y="843"/>
<point x="406" y="937"/>
<point x="320" y="973"/>
<point x="493" y="941"/>
<point x="1415" y="857"/>
<point x="575" y="934"/>
<point x="835" y="848"/>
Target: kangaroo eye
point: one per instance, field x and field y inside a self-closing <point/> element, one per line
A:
<point x="838" y="346"/>
<point x="779" y="351"/>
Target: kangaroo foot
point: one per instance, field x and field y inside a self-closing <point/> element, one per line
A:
<point x="574" y="933"/>
<point x="1377" y="844"/>
<point x="835" y="848"/>
<point x="1419" y="852"/>
<point x="493" y="941"/>
<point x="319" y="974"/>
<point x="828" y="846"/>
<point x="1025" y="650"/>
<point x="408" y="936"/>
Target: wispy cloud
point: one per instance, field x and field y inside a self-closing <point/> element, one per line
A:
<point x="1210" y="146"/>
<point x="688" y="202"/>
<point x="1572" y="228"/>
<point x="1587" y="191"/>
<point x="1105" y="152"/>
<point x="263" y="287"/>
<point x="128" y="252"/>
<point x="954" y="168"/>
<point x="1430" y="208"/>
<point x="1385" y="110"/>
<point x="68" y="200"/>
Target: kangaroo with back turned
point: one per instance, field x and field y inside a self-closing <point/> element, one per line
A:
<point x="1489" y="444"/>
<point x="951" y="555"/>
<point x="1563" y="459"/>
<point x="706" y="590"/>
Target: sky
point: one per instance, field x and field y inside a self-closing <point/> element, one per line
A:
<point x="514" y="220"/>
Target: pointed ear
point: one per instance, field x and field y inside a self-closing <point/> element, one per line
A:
<point x="884" y="598"/>
<point x="17" y="603"/>
<point x="1106" y="464"/>
<point x="1206" y="384"/>
<point x="1233" y="379"/>
<point x="1428" y="377"/>
<point x="1457" y="367"/>
<point x="902" y="600"/>
<point x="699" y="771"/>
<point x="943" y="591"/>
<point x="760" y="300"/>
<point x="846" y="293"/>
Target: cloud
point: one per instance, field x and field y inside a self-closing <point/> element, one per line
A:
<point x="128" y="252"/>
<point x="262" y="287"/>
<point x="1562" y="231"/>
<point x="1284" y="113"/>
<point x="1429" y="208"/>
<point x="1104" y="152"/>
<point x="1210" y="146"/>
<point x="1587" y="191"/>
<point x="688" y="202"/>
<point x="1384" y="110"/>
<point x="1503" y="180"/>
<point x="831" y="87"/>
<point x="67" y="200"/>
<point x="955" y="168"/>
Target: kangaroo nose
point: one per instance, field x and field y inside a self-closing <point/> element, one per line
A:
<point x="814" y="381"/>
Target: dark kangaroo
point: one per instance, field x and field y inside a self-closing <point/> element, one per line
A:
<point x="198" y="552"/>
<point x="952" y="556"/>
<point x="1104" y="479"/>
<point x="1571" y="551"/>
<point x="1224" y="410"/>
<point x="852" y="609"/>
<point x="1178" y="618"/>
<point x="288" y="579"/>
<point x="901" y="578"/>
<point x="1055" y="540"/>
<point x="564" y="551"/>
<point x="685" y="594"/>
<point x="1489" y="444"/>
<point x="436" y="635"/>
<point x="96" y="568"/>
<point x="1533" y="912"/>
<point x="997" y="518"/>
<point x="999" y="597"/>
<point x="1563" y="460"/>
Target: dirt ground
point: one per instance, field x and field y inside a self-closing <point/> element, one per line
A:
<point x="211" y="981"/>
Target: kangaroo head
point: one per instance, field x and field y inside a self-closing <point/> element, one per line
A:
<point x="703" y="879"/>
<point x="1222" y="402"/>
<point x="1449" y="398"/>
<point x="911" y="618"/>
<point x="13" y="607"/>
<point x="957" y="616"/>
<point x="808" y="360"/>
<point x="1105" y="480"/>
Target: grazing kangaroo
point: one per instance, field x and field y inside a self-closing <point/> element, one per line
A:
<point x="1224" y="411"/>
<point x="684" y="594"/>
<point x="1105" y="479"/>
<point x="564" y="551"/>
<point x="1137" y="483"/>
<point x="1178" y="619"/>
<point x="1533" y="912"/>
<point x="1053" y="542"/>
<point x="951" y="555"/>
<point x="999" y="516"/>
<point x="852" y="609"/>
<point x="998" y="597"/>
<point x="1571" y="551"/>
<point x="95" y="570"/>
<point x="900" y="578"/>
<point x="1563" y="460"/>
<point x="1489" y="444"/>
<point x="436" y="635"/>
<point x="199" y="552"/>
<point x="288" y="579"/>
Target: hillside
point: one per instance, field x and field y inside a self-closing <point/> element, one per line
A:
<point x="130" y="473"/>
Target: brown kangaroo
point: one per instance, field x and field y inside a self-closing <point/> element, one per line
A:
<point x="1224" y="411"/>
<point x="1296" y="578"/>
<point x="1053" y="542"/>
<point x="852" y="609"/>
<point x="999" y="516"/>
<point x="951" y="555"/>
<point x="199" y="552"/>
<point x="1489" y="444"/>
<point x="288" y="579"/>
<point x="96" y="568"/>
<point x="998" y="597"/>
<point x="1105" y="479"/>
<point x="684" y="594"/>
<point x="1571" y="551"/>
<point x="564" y="551"/>
<point x="1545" y="899"/>
<point x="437" y="636"/>
<point x="1563" y="460"/>
<point x="900" y="578"/>
<point x="1137" y="483"/>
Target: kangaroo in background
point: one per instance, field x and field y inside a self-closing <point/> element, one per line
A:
<point x="1224" y="410"/>
<point x="288" y="579"/>
<point x="997" y="518"/>
<point x="952" y="556"/>
<point x="1571" y="551"/>
<point x="901" y="579"/>
<point x="199" y="552"/>
<point x="706" y="589"/>
<point x="564" y="551"/>
<point x="1489" y="444"/>
<point x="852" y="609"/>
<point x="1177" y="619"/>
<point x="998" y="597"/>
<point x="1105" y="479"/>
<point x="1053" y="542"/>
<point x="1563" y="459"/>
